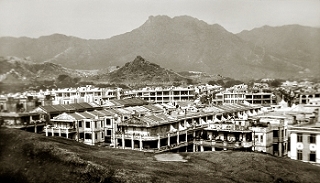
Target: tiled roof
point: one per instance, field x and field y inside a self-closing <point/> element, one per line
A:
<point x="148" y="121"/>
<point x="77" y="116"/>
<point x="153" y="108"/>
<point x="102" y="113"/>
<point x="129" y="102"/>
<point x="87" y="115"/>
<point x="69" y="107"/>
<point x="67" y="117"/>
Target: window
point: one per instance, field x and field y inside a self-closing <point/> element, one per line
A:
<point x="96" y="134"/>
<point x="87" y="136"/>
<point x="261" y="138"/>
<point x="87" y="124"/>
<point x="312" y="139"/>
<point x="275" y="133"/>
<point x="299" y="137"/>
<point x="312" y="156"/>
<point x="108" y="121"/>
<point x="80" y="123"/>
<point x="256" y="137"/>
<point x="108" y="132"/>
<point x="299" y="155"/>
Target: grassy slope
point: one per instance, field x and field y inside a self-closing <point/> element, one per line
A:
<point x="27" y="157"/>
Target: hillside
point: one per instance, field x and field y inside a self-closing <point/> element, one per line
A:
<point x="297" y="45"/>
<point x="181" y="43"/>
<point x="141" y="71"/>
<point x="28" y="157"/>
<point x="14" y="69"/>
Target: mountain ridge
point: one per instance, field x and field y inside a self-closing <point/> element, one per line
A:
<point x="179" y="43"/>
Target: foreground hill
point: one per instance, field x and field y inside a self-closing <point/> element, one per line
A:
<point x="27" y="157"/>
<point x="141" y="71"/>
<point x="181" y="43"/>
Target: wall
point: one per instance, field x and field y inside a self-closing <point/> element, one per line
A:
<point x="293" y="145"/>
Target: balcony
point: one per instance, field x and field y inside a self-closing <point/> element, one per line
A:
<point x="60" y="130"/>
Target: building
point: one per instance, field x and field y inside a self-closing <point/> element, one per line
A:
<point x="188" y="131"/>
<point x="305" y="138"/>
<point x="241" y="95"/>
<point x="84" y="127"/>
<point x="87" y="94"/>
<point x="165" y="94"/>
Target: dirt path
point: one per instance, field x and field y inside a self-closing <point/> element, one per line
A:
<point x="170" y="157"/>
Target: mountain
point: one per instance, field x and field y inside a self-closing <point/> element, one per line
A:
<point x="295" y="44"/>
<point x="181" y="43"/>
<point x="141" y="71"/>
<point x="18" y="70"/>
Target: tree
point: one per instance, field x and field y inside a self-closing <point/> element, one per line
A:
<point x="275" y="83"/>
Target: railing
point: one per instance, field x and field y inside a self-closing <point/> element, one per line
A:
<point x="148" y="136"/>
<point x="228" y="127"/>
<point x="223" y="144"/>
<point x="60" y="130"/>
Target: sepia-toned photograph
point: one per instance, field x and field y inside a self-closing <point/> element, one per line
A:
<point x="146" y="91"/>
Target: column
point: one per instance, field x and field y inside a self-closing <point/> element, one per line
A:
<point x="178" y="134"/>
<point x="123" y="142"/>
<point x="212" y="145"/>
<point x="92" y="137"/>
<point x="187" y="136"/>
<point x="35" y="127"/>
<point x="52" y="133"/>
<point x="280" y="142"/>
<point x="187" y="141"/>
<point x="169" y="139"/>
<point x="201" y="145"/>
<point x="46" y="131"/>
<point x="132" y="142"/>
<point x="59" y="132"/>
<point x="194" y="145"/>
<point x="67" y="133"/>
<point x="159" y="142"/>
<point x="140" y="143"/>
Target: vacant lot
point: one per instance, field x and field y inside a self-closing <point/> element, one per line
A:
<point x="28" y="157"/>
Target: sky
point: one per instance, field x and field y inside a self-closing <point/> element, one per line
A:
<point x="101" y="19"/>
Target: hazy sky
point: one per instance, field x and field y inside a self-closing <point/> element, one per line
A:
<point x="99" y="19"/>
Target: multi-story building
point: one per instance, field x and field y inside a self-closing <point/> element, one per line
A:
<point x="261" y="98"/>
<point x="305" y="143"/>
<point x="85" y="127"/>
<point x="278" y="125"/>
<point x="190" y="131"/>
<point x="85" y="94"/>
<point x="305" y="137"/>
<point x="262" y="138"/>
<point x="165" y="95"/>
<point x="241" y="94"/>
<point x="307" y="97"/>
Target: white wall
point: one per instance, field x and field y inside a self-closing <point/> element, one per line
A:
<point x="318" y="148"/>
<point x="293" y="146"/>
